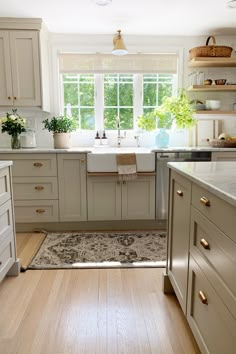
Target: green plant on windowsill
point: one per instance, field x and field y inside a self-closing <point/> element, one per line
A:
<point x="60" y="124"/>
<point x="173" y="109"/>
<point x="180" y="108"/>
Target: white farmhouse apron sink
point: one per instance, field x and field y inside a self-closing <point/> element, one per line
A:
<point x="104" y="159"/>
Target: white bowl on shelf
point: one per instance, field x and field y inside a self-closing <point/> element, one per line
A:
<point x="212" y="104"/>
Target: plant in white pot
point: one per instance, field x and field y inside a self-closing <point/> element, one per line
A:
<point x="61" y="127"/>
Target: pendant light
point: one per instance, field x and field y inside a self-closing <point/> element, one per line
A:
<point x="119" y="46"/>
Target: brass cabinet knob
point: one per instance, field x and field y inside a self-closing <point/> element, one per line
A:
<point x="40" y="210"/>
<point x="14" y="97"/>
<point x="38" y="164"/>
<point x="202" y="297"/>
<point x="82" y="160"/>
<point x="205" y="201"/>
<point x="9" y="97"/>
<point x="180" y="193"/>
<point x="39" y="188"/>
<point x="124" y="182"/>
<point x="0" y="263"/>
<point x="205" y="244"/>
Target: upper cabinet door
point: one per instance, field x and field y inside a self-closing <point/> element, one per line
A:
<point x="6" y="96"/>
<point x="25" y="66"/>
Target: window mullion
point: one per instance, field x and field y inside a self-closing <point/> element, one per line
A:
<point x="137" y="97"/>
<point x="99" y="101"/>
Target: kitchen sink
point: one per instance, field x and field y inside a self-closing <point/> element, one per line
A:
<point x="104" y="159"/>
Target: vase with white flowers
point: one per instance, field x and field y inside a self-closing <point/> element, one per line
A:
<point x="14" y="125"/>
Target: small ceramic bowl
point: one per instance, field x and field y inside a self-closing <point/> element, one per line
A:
<point x="220" y="82"/>
<point x="212" y="104"/>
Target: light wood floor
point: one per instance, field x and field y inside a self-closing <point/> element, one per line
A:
<point x="105" y="311"/>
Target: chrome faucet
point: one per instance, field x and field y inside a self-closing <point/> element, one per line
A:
<point x="119" y="137"/>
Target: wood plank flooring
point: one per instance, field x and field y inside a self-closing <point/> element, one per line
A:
<point x="91" y="311"/>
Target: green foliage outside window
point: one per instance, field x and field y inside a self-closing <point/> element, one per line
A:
<point x="117" y="100"/>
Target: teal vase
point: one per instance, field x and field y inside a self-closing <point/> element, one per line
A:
<point x="162" y="138"/>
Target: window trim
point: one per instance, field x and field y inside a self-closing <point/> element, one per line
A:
<point x="99" y="99"/>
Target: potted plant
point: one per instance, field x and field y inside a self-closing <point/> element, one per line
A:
<point x="61" y="127"/>
<point x="173" y="109"/>
<point x="14" y="125"/>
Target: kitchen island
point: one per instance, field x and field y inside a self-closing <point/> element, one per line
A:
<point x="9" y="264"/>
<point x="201" y="266"/>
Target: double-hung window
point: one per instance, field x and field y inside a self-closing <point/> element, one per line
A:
<point x="98" y="89"/>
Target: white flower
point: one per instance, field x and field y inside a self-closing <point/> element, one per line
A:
<point x="13" y="117"/>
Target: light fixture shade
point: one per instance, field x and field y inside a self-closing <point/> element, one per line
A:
<point x="119" y="46"/>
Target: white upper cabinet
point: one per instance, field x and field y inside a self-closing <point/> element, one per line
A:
<point x="21" y="69"/>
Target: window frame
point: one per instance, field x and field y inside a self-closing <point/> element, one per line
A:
<point x="99" y="99"/>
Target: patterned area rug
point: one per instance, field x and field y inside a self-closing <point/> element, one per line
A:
<point x="101" y="250"/>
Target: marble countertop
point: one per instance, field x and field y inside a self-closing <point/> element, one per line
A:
<point x="4" y="164"/>
<point x="217" y="177"/>
<point x="87" y="149"/>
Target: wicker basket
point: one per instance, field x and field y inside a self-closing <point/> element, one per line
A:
<point x="210" y="50"/>
<point x="230" y="143"/>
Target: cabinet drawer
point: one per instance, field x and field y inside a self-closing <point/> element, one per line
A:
<point x="215" y="253"/>
<point x="36" y="211"/>
<point x="5" y="187"/>
<point x="213" y="325"/>
<point x="216" y="210"/>
<point x="32" y="164"/>
<point x="7" y="255"/>
<point x="35" y="188"/>
<point x="6" y="223"/>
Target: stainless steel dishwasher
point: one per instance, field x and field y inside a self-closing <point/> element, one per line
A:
<point x="162" y="175"/>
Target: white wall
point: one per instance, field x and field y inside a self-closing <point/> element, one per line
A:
<point x="135" y="44"/>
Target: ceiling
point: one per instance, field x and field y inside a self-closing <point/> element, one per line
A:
<point x="133" y="17"/>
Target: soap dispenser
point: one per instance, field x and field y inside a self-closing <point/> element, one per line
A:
<point x="97" y="139"/>
<point x="104" y="138"/>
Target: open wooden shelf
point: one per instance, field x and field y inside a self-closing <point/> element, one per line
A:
<point x="214" y="111"/>
<point x="227" y="88"/>
<point x="212" y="62"/>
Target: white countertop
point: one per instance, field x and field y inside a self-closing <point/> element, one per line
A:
<point x="217" y="177"/>
<point x="4" y="164"/>
<point x="86" y="149"/>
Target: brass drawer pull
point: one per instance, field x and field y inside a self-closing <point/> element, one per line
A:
<point x="205" y="244"/>
<point x="202" y="297"/>
<point x="39" y="188"/>
<point x="180" y="193"/>
<point x="205" y="201"/>
<point x="38" y="164"/>
<point x="40" y="210"/>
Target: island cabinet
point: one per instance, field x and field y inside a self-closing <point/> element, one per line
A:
<point x="111" y="199"/>
<point x="178" y="240"/>
<point x="202" y="263"/>
<point x="72" y="187"/>
<point x="9" y="264"/>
